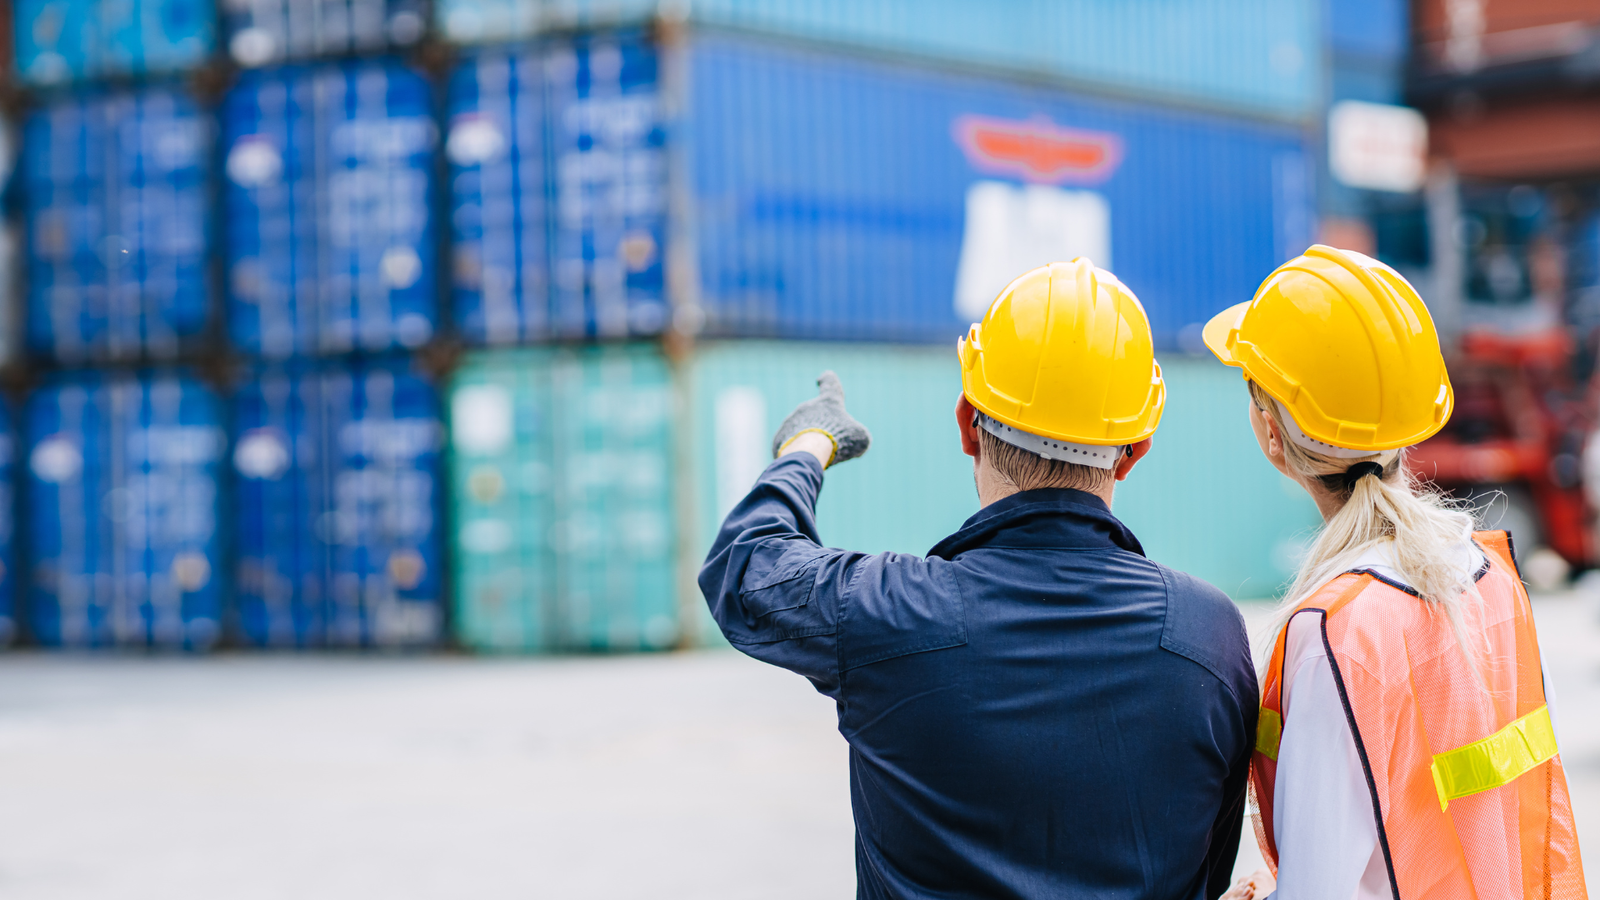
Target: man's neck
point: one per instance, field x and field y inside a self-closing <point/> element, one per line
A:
<point x="993" y="487"/>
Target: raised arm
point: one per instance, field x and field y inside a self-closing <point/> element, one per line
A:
<point x="770" y="584"/>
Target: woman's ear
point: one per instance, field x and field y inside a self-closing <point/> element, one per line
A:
<point x="1274" y="436"/>
<point x="1269" y="437"/>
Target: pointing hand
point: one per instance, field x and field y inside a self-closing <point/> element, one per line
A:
<point x="824" y="414"/>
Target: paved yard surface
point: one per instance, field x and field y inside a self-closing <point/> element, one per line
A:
<point x="686" y="776"/>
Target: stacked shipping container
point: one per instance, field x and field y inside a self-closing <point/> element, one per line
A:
<point x="337" y="508"/>
<point x="563" y="473"/>
<point x="124" y="536"/>
<point x="1251" y="56"/>
<point x="122" y="521"/>
<point x="60" y="41"/>
<point x="735" y="181"/>
<point x="327" y="209"/>
<point x="113" y="189"/>
<point x="948" y="186"/>
<point x="734" y="187"/>
<point x="329" y="263"/>
<point x="263" y="32"/>
<point x="559" y="191"/>
<point x="1202" y="479"/>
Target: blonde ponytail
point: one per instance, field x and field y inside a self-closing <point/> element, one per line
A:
<point x="1423" y="527"/>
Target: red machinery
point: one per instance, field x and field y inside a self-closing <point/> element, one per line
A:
<point x="1520" y="419"/>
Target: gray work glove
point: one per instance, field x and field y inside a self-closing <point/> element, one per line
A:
<point x="825" y="413"/>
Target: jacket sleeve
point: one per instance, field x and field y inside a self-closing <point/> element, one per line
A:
<point x="1227" y="830"/>
<point x="774" y="590"/>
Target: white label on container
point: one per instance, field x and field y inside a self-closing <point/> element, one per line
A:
<point x="254" y="161"/>
<point x="480" y="419"/>
<point x="474" y="139"/>
<point x="56" y="459"/>
<point x="253" y="47"/>
<point x="261" y="453"/>
<point x="191" y="571"/>
<point x="1377" y="146"/>
<point x="1012" y="228"/>
<point x="401" y="267"/>
<point x="743" y="446"/>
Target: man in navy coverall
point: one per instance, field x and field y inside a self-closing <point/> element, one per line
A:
<point x="1034" y="709"/>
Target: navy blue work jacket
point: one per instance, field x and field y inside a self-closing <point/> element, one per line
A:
<point x="1033" y="710"/>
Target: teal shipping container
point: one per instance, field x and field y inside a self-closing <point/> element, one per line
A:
<point x="913" y="487"/>
<point x="562" y="497"/>
<point x="59" y="41"/>
<point x="571" y="483"/>
<point x="1252" y="56"/>
<point x="1204" y="500"/>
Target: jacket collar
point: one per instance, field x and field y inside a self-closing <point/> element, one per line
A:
<point x="1046" y="518"/>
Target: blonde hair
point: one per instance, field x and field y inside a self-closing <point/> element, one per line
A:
<point x="1423" y="526"/>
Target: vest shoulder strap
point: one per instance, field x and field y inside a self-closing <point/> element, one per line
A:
<point x="1328" y="599"/>
<point x="1498" y="545"/>
<point x="1339" y="592"/>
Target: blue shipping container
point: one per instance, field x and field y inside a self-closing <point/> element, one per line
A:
<point x="499" y="192"/>
<point x="328" y="235"/>
<point x="122" y="511"/>
<point x="8" y="531"/>
<point x="837" y="198"/>
<point x="608" y="167"/>
<point x="563" y="144"/>
<point x="1377" y="30"/>
<point x="1257" y="56"/>
<point x="10" y="253"/>
<point x="67" y="40"/>
<point x="832" y="198"/>
<point x="337" y="506"/>
<point x="261" y="32"/>
<point x="114" y="190"/>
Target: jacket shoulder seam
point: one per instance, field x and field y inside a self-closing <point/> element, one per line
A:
<point x="1182" y="648"/>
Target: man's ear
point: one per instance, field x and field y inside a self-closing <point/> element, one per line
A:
<point x="1136" y="452"/>
<point x="964" y="421"/>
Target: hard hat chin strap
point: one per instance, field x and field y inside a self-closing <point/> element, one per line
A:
<point x="1306" y="442"/>
<point x="1093" y="455"/>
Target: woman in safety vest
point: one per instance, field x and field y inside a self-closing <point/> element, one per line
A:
<point x="1405" y="748"/>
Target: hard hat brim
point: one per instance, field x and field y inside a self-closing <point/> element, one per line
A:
<point x="1216" y="332"/>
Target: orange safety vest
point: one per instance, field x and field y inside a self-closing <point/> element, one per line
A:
<point x="1467" y="788"/>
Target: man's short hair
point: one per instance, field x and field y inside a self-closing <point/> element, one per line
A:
<point x="1029" y="471"/>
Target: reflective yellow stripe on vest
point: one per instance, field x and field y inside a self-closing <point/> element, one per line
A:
<point x="1496" y="760"/>
<point x="1269" y="731"/>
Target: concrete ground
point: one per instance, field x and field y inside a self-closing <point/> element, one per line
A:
<point x="700" y="775"/>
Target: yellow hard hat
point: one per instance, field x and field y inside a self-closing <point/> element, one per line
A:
<point x="1064" y="352"/>
<point x="1346" y="345"/>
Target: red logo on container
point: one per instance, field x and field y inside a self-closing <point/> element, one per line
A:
<point x="1038" y="150"/>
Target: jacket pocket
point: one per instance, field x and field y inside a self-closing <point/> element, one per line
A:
<point x="778" y="579"/>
